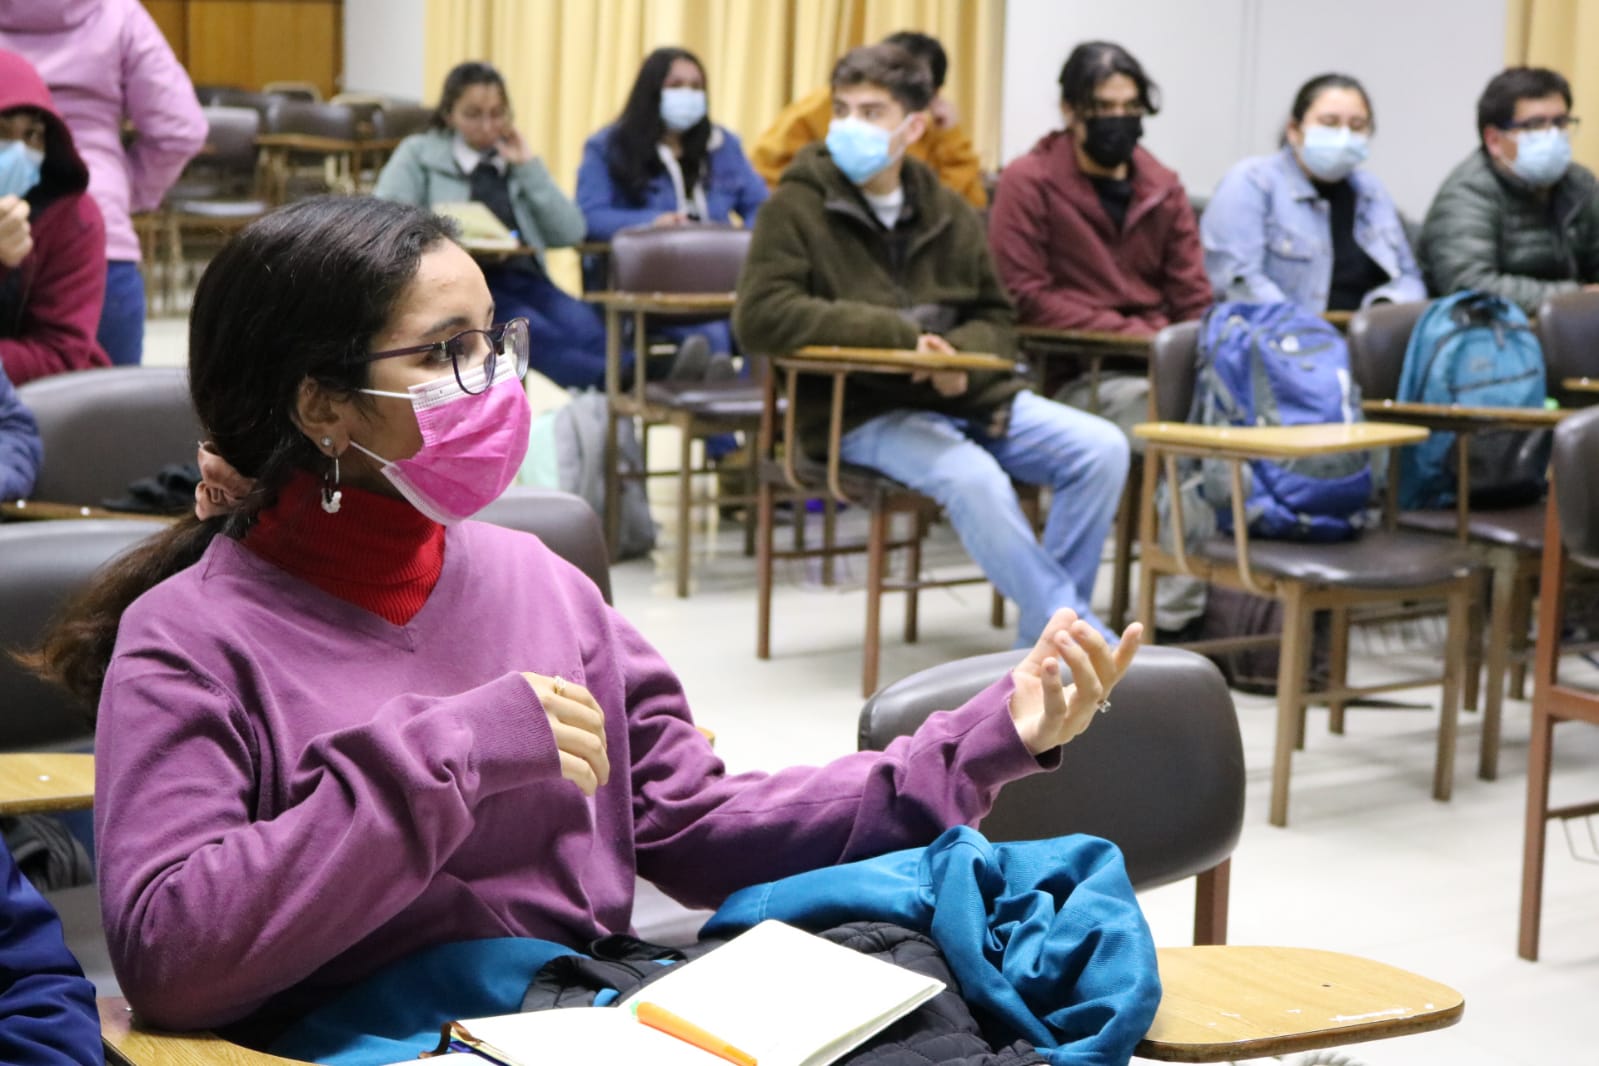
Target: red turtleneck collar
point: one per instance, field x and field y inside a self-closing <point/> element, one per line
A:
<point x="377" y="552"/>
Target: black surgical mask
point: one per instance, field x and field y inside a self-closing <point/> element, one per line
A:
<point x="1109" y="140"/>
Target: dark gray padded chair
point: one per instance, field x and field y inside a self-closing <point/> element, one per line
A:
<point x="103" y="429"/>
<point x="1381" y="568"/>
<point x="1508" y="541"/>
<point x="42" y="564"/>
<point x="1568" y="329"/>
<point x="700" y="260"/>
<point x="565" y="523"/>
<point x="1161" y="774"/>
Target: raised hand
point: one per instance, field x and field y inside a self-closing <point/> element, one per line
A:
<point x="1046" y="709"/>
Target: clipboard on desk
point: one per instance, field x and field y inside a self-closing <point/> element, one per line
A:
<point x="772" y="996"/>
<point x="481" y="229"/>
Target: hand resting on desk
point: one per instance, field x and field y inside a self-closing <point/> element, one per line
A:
<point x="945" y="382"/>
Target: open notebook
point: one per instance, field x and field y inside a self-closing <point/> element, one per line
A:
<point x="782" y="995"/>
<point x="480" y="228"/>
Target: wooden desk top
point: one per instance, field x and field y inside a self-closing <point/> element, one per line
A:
<point x="1338" y="318"/>
<point x="1454" y="417"/>
<point x="43" y="510"/>
<point x="1238" y="1002"/>
<point x="664" y="301"/>
<point x="1580" y="384"/>
<point x="31" y="782"/>
<point x="888" y="360"/>
<point x="126" y="1045"/>
<point x="1280" y="442"/>
<point x="494" y="251"/>
<point x="315" y="142"/>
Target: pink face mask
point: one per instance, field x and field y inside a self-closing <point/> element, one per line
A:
<point x="472" y="446"/>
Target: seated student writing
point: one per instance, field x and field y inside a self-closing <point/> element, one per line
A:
<point x="474" y="152"/>
<point x="52" y="238"/>
<point x="861" y="246"/>
<point x="340" y="724"/>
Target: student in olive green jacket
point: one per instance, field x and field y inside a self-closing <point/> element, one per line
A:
<point x="861" y="246"/>
<point x="1517" y="218"/>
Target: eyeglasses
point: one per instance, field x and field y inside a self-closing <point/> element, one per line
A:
<point x="1542" y="122"/>
<point x="1113" y="108"/>
<point x="472" y="350"/>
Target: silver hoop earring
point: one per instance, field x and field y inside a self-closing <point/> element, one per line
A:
<point x="332" y="495"/>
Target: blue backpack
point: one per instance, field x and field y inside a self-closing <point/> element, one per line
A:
<point x="1278" y="365"/>
<point x="1475" y="350"/>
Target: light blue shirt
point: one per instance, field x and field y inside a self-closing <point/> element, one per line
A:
<point x="1268" y="236"/>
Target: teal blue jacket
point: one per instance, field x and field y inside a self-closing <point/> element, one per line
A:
<point x="423" y="171"/>
<point x="1044" y="936"/>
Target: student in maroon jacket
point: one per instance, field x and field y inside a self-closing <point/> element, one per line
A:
<point x="52" y="237"/>
<point x="1089" y="231"/>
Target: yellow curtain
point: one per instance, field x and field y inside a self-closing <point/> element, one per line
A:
<point x="570" y="63"/>
<point x="1562" y="35"/>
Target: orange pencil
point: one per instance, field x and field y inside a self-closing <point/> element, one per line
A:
<point x="660" y="1018"/>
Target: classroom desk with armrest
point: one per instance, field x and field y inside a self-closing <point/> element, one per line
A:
<point x="1381" y="568"/>
<point x="348" y="155"/>
<point x="1580" y="384"/>
<point x="36" y="782"/>
<point x="1218" y="1003"/>
<point x="783" y="467"/>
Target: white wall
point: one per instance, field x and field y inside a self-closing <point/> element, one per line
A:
<point x="1228" y="70"/>
<point x="383" y="42"/>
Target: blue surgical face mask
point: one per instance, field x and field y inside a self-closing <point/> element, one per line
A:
<point x="19" y="168"/>
<point x="1542" y="156"/>
<point x="682" y="108"/>
<point x="1331" y="153"/>
<point x="860" y="149"/>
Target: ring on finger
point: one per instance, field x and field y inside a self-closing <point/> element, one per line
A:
<point x="1102" y="706"/>
<point x="558" y="685"/>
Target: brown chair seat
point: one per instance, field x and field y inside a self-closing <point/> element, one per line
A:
<point x="1379" y="560"/>
<point x="1515" y="527"/>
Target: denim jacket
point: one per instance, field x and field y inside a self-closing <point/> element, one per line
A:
<point x="1268" y="237"/>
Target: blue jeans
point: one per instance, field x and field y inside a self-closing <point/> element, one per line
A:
<point x="121" y="331"/>
<point x="567" y="335"/>
<point x="1082" y="458"/>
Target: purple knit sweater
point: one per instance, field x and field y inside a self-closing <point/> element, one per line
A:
<point x="292" y="792"/>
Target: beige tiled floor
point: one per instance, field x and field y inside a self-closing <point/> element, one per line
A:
<point x="1370" y="864"/>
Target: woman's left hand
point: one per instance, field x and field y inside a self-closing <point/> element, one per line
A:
<point x="1047" y="710"/>
<point x="513" y="149"/>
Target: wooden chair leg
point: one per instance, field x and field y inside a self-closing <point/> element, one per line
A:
<point x="613" y="488"/>
<point x="1211" y="891"/>
<point x="765" y="520"/>
<point x="750" y="479"/>
<point x="1455" y="657"/>
<point x="1520" y="622"/>
<point x="1500" y="630"/>
<point x="829" y="538"/>
<point x="1292" y="665"/>
<point x="685" y="508"/>
<point x="876" y="551"/>
<point x="1535" y="831"/>
<point x="913" y="575"/>
<point x="1476" y="632"/>
<point x="1126" y="534"/>
<point x="1338" y="667"/>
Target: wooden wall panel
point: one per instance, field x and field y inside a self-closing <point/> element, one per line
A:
<point x="251" y="42"/>
<point x="172" y="16"/>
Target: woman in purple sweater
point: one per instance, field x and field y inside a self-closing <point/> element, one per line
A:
<point x="339" y="725"/>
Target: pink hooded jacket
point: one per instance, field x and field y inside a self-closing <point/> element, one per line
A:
<point x="105" y="60"/>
